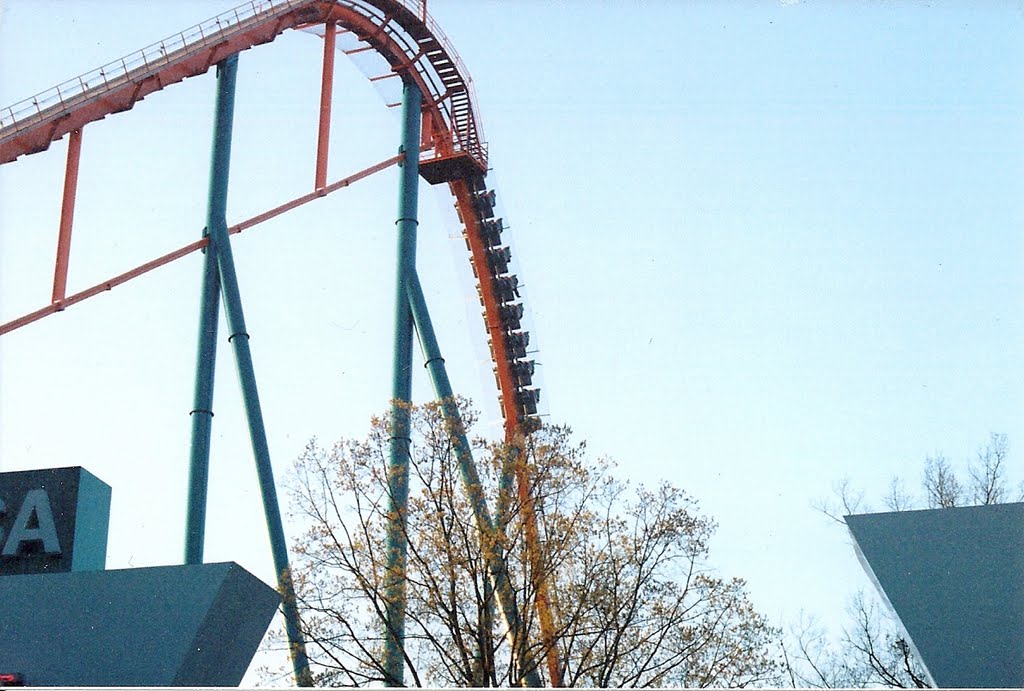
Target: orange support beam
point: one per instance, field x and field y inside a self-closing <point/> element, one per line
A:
<point x="326" y="96"/>
<point x="67" y="216"/>
<point x="537" y="569"/>
<point x="111" y="283"/>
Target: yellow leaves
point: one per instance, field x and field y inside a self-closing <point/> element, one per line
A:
<point x="623" y="567"/>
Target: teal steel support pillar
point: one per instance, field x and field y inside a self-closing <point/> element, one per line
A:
<point x="220" y="247"/>
<point x="202" y="411"/>
<point x="401" y="392"/>
<point x="489" y="534"/>
<point x="206" y="355"/>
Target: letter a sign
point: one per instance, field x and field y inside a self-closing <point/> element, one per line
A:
<point x="33" y="527"/>
<point x="53" y="520"/>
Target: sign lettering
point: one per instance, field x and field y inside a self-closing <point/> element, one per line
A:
<point x="33" y="525"/>
<point x="53" y="520"/>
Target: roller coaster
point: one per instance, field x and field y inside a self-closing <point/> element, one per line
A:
<point x="442" y="142"/>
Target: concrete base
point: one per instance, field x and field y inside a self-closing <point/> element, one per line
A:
<point x="955" y="578"/>
<point x="165" y="626"/>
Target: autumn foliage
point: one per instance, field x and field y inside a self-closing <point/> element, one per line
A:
<point x="633" y="598"/>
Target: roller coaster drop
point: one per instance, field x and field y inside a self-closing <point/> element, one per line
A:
<point x="441" y="142"/>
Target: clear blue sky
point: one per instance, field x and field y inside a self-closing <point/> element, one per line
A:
<point x="765" y="245"/>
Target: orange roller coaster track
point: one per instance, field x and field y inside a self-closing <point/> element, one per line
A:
<point x="452" y="151"/>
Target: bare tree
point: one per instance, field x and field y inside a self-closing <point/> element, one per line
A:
<point x="885" y="655"/>
<point x="870" y="652"/>
<point x="845" y="501"/>
<point x="941" y="486"/>
<point x="988" y="473"/>
<point x="633" y="599"/>
<point x="897" y="499"/>
<point x="812" y="661"/>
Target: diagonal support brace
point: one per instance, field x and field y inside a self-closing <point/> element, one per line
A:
<point x="491" y="538"/>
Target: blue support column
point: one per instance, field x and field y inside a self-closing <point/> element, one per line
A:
<point x="401" y="396"/>
<point x="490" y="536"/>
<point x="202" y="411"/>
<point x="239" y="339"/>
<point x="206" y="352"/>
